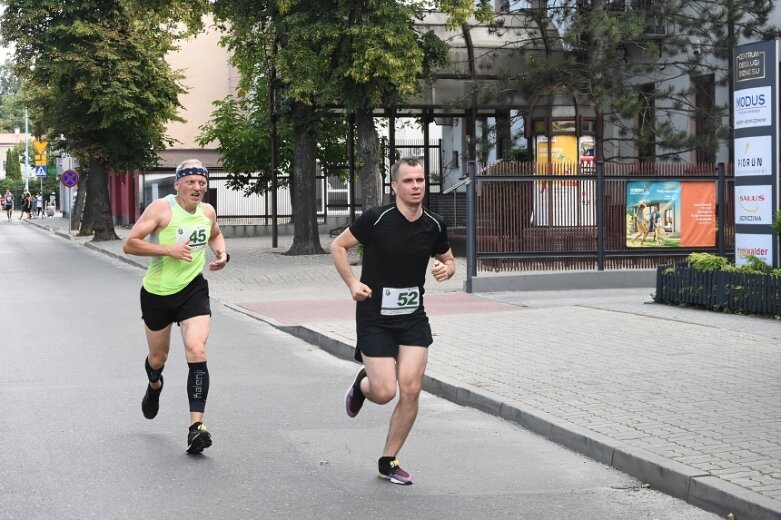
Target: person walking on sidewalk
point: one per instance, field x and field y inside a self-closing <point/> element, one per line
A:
<point x="174" y="290"/>
<point x="27" y="206"/>
<point x="8" y="204"/>
<point x="393" y="332"/>
<point x="39" y="205"/>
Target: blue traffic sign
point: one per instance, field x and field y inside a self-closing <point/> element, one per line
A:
<point x="40" y="171"/>
<point x="69" y="178"/>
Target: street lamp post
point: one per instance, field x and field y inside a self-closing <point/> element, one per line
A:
<point x="26" y="152"/>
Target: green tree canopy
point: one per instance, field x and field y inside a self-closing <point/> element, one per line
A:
<point x="98" y="75"/>
<point x="13" y="169"/>
<point x="11" y="104"/>
<point x="348" y="55"/>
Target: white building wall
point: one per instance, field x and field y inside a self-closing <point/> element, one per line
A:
<point x="7" y="142"/>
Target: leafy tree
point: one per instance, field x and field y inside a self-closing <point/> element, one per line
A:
<point x="13" y="169"/>
<point x="97" y="74"/>
<point x="11" y="106"/>
<point x="251" y="35"/>
<point x="351" y="54"/>
<point x="240" y="127"/>
<point x="360" y="56"/>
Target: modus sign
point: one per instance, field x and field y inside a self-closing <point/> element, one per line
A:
<point x="753" y="107"/>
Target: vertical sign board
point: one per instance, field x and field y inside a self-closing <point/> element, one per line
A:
<point x="755" y="108"/>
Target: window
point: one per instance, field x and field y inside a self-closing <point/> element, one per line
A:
<point x="646" y="124"/>
<point x="705" y="118"/>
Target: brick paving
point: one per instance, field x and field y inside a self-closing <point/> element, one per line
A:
<point x="687" y="400"/>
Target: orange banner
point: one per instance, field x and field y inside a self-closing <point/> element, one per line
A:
<point x="698" y="211"/>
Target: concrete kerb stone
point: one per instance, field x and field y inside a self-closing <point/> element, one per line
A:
<point x="714" y="494"/>
<point x="568" y="280"/>
<point x="121" y="257"/>
<point x="334" y="347"/>
<point x="660" y="473"/>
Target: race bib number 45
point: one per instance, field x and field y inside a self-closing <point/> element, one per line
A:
<point x="196" y="236"/>
<point x="397" y="302"/>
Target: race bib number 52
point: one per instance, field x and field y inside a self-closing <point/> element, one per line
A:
<point x="397" y="302"/>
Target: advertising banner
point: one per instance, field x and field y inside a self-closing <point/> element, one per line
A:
<point x="568" y="202"/>
<point x="671" y="214"/>
<point x="753" y="108"/>
<point x="698" y="208"/>
<point x="756" y="145"/>
<point x="559" y="149"/>
<point x="753" y="205"/>
<point x="760" y="246"/>
<point x="754" y="156"/>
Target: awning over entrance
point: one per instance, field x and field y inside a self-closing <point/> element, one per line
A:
<point x="484" y="62"/>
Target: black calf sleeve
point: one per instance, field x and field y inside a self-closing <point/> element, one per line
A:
<point x="153" y="375"/>
<point x="197" y="386"/>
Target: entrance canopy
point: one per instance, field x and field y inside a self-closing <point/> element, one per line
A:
<point x="484" y="62"/>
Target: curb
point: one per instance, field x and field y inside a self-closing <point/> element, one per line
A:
<point x="675" y="479"/>
<point x="90" y="245"/>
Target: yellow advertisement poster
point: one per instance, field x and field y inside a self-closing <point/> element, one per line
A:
<point x="557" y="150"/>
<point x="561" y="202"/>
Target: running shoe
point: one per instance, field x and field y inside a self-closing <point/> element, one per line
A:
<point x="150" y="404"/>
<point x="396" y="475"/>
<point x="353" y="403"/>
<point x="198" y="438"/>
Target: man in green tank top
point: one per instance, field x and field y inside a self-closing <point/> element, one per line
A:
<point x="175" y="231"/>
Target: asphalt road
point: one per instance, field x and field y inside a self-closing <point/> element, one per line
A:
<point x="75" y="445"/>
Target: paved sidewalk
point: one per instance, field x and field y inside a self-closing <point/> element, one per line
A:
<point x="685" y="400"/>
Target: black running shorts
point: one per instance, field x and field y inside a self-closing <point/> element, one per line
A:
<point x="160" y="311"/>
<point x="383" y="339"/>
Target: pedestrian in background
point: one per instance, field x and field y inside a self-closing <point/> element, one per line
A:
<point x="179" y="228"/>
<point x="393" y="331"/>
<point x="8" y="204"/>
<point x="27" y="206"/>
<point x="39" y="205"/>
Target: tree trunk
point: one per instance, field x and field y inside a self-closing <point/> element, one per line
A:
<point x="368" y="159"/>
<point x="98" y="202"/>
<point x="77" y="206"/>
<point x="306" y="236"/>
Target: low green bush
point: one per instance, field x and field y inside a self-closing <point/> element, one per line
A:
<point x="710" y="263"/>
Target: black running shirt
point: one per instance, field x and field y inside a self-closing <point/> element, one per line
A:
<point x="396" y="253"/>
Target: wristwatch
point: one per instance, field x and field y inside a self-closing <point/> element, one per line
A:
<point x="227" y="257"/>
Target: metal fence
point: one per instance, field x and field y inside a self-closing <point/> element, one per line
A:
<point x="233" y="207"/>
<point x="332" y="190"/>
<point x="530" y="217"/>
<point x="524" y="216"/>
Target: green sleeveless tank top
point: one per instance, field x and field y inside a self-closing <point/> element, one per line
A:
<point x="166" y="275"/>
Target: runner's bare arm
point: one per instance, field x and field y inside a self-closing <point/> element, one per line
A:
<point x="339" y="247"/>
<point x="444" y="266"/>
<point x="155" y="217"/>
<point x="216" y="241"/>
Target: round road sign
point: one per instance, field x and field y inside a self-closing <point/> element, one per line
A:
<point x="69" y="178"/>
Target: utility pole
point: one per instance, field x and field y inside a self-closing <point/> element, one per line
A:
<point x="26" y="152"/>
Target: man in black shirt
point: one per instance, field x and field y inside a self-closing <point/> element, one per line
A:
<point x="392" y="327"/>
